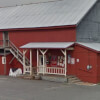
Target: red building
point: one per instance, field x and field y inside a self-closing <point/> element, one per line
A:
<point x="54" y="37"/>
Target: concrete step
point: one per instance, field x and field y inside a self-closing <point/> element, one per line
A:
<point x="54" y="78"/>
<point x="73" y="79"/>
<point x="27" y="76"/>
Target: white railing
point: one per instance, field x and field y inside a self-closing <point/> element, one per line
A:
<point x="26" y="69"/>
<point x="18" y="54"/>
<point x="51" y="70"/>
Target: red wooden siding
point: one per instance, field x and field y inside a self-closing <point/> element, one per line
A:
<point x="1" y="35"/>
<point x="86" y="57"/>
<point x="8" y="66"/>
<point x="98" y="68"/>
<point x="49" y="35"/>
<point x="1" y="67"/>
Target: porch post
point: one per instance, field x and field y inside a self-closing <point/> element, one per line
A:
<point x="37" y="60"/>
<point x="65" y="62"/>
<point x="43" y="64"/>
<point x="23" y="62"/>
<point x="24" y="65"/>
<point x="30" y="61"/>
<point x="43" y="53"/>
<point x="37" y="57"/>
<point x="65" y="54"/>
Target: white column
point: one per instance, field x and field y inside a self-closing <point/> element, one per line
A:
<point x="43" y="64"/>
<point x="37" y="57"/>
<point x="65" y="54"/>
<point x="30" y="61"/>
<point x="37" y="60"/>
<point x="23" y="62"/>
<point x="43" y="53"/>
<point x="65" y="62"/>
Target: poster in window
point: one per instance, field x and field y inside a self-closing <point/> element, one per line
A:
<point x="72" y="60"/>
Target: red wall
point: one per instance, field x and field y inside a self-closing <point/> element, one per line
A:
<point x="86" y="57"/>
<point x="1" y="67"/>
<point x="14" y="64"/>
<point x="8" y="66"/>
<point x="1" y="35"/>
<point x="98" y="68"/>
<point x="20" y="38"/>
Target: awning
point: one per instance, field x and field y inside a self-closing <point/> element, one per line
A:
<point x="48" y="45"/>
<point x="93" y="46"/>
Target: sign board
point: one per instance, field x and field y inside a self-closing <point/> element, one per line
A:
<point x="3" y="60"/>
<point x="72" y="60"/>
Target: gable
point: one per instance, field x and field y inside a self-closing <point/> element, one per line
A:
<point x="89" y="28"/>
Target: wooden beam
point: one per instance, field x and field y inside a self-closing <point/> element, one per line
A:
<point x="37" y="57"/>
<point x="24" y="62"/>
<point x="31" y="62"/>
<point x="65" y="62"/>
<point x="25" y="51"/>
<point x="37" y="60"/>
<point x="43" y="64"/>
<point x="43" y="52"/>
<point x="12" y="60"/>
<point x="71" y="48"/>
<point x="65" y="54"/>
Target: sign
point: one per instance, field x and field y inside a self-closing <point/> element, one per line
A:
<point x="78" y="60"/>
<point x="3" y="60"/>
<point x="72" y="60"/>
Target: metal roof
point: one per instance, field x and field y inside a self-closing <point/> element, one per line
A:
<point x="58" y="13"/>
<point x="94" y="46"/>
<point x="48" y="45"/>
<point x="10" y="3"/>
<point x="58" y="45"/>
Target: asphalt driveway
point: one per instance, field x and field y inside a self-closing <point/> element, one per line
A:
<point x="20" y="89"/>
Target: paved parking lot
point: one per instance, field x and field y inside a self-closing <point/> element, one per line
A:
<point x="20" y="89"/>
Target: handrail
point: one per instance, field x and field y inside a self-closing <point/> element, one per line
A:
<point x="18" y="51"/>
<point x="51" y="70"/>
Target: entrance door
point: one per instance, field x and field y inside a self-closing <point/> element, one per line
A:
<point x="5" y="39"/>
<point x="41" y="63"/>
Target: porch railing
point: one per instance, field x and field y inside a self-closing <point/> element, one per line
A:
<point x="51" y="70"/>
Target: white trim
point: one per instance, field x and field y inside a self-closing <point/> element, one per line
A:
<point x="65" y="54"/>
<point x="65" y="62"/>
<point x="24" y="69"/>
<point x="51" y="70"/>
<point x="30" y="61"/>
<point x="37" y="57"/>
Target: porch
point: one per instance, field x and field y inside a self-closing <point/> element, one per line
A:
<point x="48" y="64"/>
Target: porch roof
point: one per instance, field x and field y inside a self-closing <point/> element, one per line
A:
<point x="92" y="46"/>
<point x="48" y="45"/>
